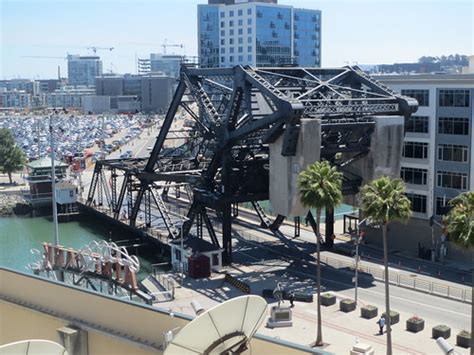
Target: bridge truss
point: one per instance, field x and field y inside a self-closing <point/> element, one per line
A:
<point x="223" y="159"/>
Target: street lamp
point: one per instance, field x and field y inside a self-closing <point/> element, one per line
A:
<point x="357" y="241"/>
<point x="53" y="183"/>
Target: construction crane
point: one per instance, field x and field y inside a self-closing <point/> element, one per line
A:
<point x="165" y="45"/>
<point x="94" y="49"/>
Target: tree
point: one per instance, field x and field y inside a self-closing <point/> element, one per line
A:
<point x="320" y="187"/>
<point x="384" y="201"/>
<point x="460" y="225"/>
<point x="11" y="156"/>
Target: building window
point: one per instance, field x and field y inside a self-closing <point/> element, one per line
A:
<point x="241" y="31"/>
<point x="415" y="150"/>
<point x="231" y="23"/>
<point x="418" y="202"/>
<point x="249" y="21"/>
<point x="241" y="49"/>
<point x="422" y="96"/>
<point x="241" y="22"/>
<point x="259" y="14"/>
<point x="222" y="24"/>
<point x="249" y="48"/>
<point x="241" y="40"/>
<point x="452" y="180"/>
<point x="454" y="98"/>
<point x="296" y="17"/>
<point x="450" y="152"/>
<point x="231" y="32"/>
<point x="249" y="39"/>
<point x="222" y="41"/>
<point x="272" y="25"/>
<point x="240" y="13"/>
<point x="249" y="30"/>
<point x="417" y="124"/>
<point x="231" y="49"/>
<point x="231" y="13"/>
<point x="453" y="125"/>
<point x="241" y="58"/>
<point x="222" y="14"/>
<point x="222" y="33"/>
<point x="231" y="58"/>
<point x="222" y="59"/>
<point x="414" y="176"/>
<point x="231" y="41"/>
<point x="249" y="11"/>
<point x="249" y="57"/>
<point x="223" y="50"/>
<point x="442" y="206"/>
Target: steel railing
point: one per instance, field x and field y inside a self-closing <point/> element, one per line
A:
<point x="377" y="272"/>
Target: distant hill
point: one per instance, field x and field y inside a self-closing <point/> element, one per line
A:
<point x="425" y="64"/>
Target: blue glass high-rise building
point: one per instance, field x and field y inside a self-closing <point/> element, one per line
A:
<point x="258" y="33"/>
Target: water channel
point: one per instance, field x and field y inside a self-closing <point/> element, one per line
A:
<point x="18" y="235"/>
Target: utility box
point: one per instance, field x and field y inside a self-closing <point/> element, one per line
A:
<point x="199" y="266"/>
<point x="284" y="170"/>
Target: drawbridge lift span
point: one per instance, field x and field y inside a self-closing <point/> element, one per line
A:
<point x="238" y="113"/>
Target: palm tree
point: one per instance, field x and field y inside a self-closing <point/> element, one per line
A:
<point x="384" y="201"/>
<point x="460" y="224"/>
<point x="320" y="187"/>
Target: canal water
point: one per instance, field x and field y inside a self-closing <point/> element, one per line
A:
<point x="18" y="235"/>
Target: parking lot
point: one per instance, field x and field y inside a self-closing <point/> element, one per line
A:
<point x="75" y="135"/>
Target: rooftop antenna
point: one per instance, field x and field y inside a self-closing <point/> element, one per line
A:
<point x="227" y="327"/>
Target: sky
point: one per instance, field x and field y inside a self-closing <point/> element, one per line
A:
<point x="353" y="31"/>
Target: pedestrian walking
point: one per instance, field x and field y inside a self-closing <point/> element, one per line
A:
<point x="381" y="323"/>
<point x="291" y="298"/>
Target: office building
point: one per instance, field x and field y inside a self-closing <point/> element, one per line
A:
<point x="438" y="154"/>
<point x="257" y="33"/>
<point x="66" y="97"/>
<point x="16" y="99"/>
<point x="82" y="70"/>
<point x="164" y="64"/>
<point x="154" y="92"/>
<point x="25" y="85"/>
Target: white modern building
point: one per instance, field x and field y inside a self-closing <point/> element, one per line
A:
<point x="67" y="96"/>
<point x="438" y="154"/>
<point x="257" y="33"/>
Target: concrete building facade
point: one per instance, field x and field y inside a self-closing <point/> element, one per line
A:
<point x="82" y="70"/>
<point x="260" y="34"/>
<point x="154" y="92"/>
<point x="437" y="161"/>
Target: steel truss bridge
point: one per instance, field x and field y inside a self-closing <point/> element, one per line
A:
<point x="224" y="159"/>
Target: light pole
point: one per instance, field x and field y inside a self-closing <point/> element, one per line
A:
<point x="53" y="183"/>
<point x="183" y="219"/>
<point x="357" y="241"/>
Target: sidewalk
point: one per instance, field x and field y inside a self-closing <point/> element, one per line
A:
<point x="340" y="330"/>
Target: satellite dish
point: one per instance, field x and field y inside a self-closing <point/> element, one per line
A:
<point x="225" y="327"/>
<point x="33" y="347"/>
